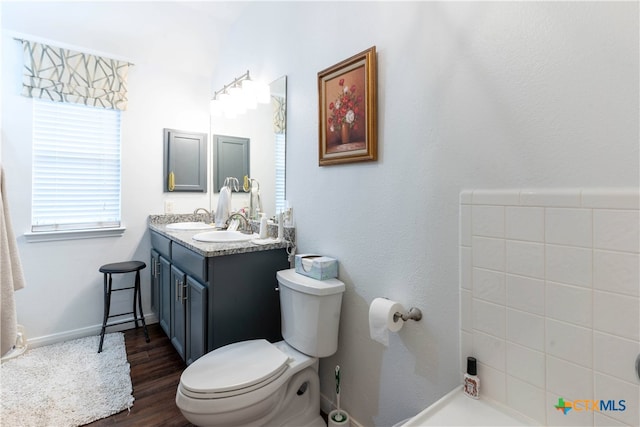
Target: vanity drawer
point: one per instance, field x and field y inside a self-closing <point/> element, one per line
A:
<point x="161" y="244"/>
<point x="190" y="262"/>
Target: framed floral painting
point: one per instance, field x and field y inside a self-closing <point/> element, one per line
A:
<point x="347" y="94"/>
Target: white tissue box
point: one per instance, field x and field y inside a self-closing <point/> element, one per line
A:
<point x="317" y="266"/>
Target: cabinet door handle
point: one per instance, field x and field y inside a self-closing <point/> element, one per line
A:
<point x="171" y="181"/>
<point x="184" y="292"/>
<point x="157" y="269"/>
<point x="153" y="270"/>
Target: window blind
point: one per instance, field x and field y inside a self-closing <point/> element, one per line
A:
<point x="76" y="167"/>
<point x="280" y="157"/>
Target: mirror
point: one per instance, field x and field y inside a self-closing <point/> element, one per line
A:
<point x="265" y="128"/>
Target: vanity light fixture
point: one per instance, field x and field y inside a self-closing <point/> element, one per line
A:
<point x="238" y="96"/>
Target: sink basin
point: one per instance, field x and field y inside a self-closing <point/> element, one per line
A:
<point x="189" y="226"/>
<point x="224" y="236"/>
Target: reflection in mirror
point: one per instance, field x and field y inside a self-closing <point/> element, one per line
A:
<point x="265" y="127"/>
<point x="232" y="159"/>
<point x="279" y="105"/>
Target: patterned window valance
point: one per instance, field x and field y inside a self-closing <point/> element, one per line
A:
<point x="64" y="75"/>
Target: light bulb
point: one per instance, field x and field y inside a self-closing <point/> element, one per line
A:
<point x="263" y="93"/>
<point x="224" y="99"/>
<point x="237" y="99"/>
<point x="249" y="94"/>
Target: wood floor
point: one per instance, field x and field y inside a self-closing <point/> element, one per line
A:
<point x="155" y="374"/>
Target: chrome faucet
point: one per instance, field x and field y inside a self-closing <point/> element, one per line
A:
<point x="246" y="227"/>
<point x="209" y="214"/>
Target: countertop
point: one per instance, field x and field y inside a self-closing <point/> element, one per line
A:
<point x="158" y="223"/>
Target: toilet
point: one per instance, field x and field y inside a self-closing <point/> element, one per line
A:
<point x="258" y="383"/>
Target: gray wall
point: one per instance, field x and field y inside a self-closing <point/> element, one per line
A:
<point x="471" y="95"/>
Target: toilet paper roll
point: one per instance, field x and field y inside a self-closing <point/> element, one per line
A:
<point x="381" y="313"/>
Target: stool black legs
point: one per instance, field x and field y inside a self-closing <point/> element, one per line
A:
<point x="136" y="290"/>
<point x="107" y="307"/>
<point x="139" y="297"/>
<point x="117" y="268"/>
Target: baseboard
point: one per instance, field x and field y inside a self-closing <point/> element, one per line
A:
<point x="327" y="405"/>
<point x="83" y="332"/>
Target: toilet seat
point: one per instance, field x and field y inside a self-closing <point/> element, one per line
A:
<point x="234" y="369"/>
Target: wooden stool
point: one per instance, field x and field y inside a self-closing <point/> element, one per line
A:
<point x="120" y="268"/>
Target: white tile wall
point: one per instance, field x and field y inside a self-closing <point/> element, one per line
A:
<point x="550" y="299"/>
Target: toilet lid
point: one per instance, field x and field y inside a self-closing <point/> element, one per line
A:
<point x="234" y="367"/>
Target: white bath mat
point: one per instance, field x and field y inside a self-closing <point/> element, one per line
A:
<point x="66" y="384"/>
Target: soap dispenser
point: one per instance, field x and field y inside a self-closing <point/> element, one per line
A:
<point x="471" y="381"/>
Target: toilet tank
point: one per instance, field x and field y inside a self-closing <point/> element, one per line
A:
<point x="310" y="312"/>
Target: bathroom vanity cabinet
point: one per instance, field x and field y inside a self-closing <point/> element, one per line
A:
<point x="160" y="289"/>
<point x="185" y="160"/>
<point x="205" y="302"/>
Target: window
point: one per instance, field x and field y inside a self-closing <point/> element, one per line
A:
<point x="76" y="167"/>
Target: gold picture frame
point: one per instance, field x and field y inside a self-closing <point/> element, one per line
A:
<point x="348" y="110"/>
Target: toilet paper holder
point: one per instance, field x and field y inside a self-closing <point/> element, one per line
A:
<point x="413" y="314"/>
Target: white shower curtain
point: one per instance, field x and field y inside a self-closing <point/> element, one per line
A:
<point x="11" y="277"/>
